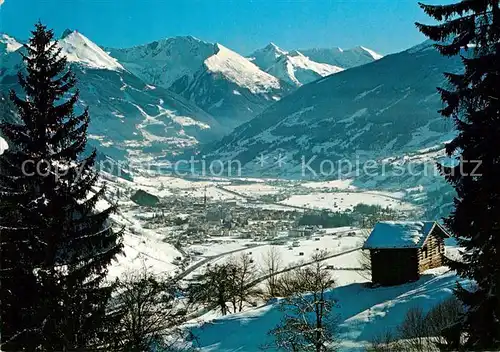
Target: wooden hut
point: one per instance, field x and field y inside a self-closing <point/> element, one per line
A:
<point x="401" y="250"/>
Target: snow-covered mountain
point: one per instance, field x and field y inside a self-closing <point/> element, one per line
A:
<point x="130" y="119"/>
<point x="215" y="78"/>
<point x="349" y="58"/>
<point x="164" y="61"/>
<point x="78" y="48"/>
<point x="8" y="43"/>
<point x="297" y="69"/>
<point x="291" y="67"/>
<point x="384" y="108"/>
<point x="230" y="87"/>
<point x="267" y="56"/>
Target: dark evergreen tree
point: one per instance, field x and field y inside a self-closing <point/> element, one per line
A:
<point x="55" y="246"/>
<point x="471" y="28"/>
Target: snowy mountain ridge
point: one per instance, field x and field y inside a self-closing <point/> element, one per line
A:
<point x="10" y="44"/>
<point x="215" y="78"/>
<point x="130" y="119"/>
<point x="297" y="68"/>
<point x="164" y="61"/>
<point x="384" y="108"/>
<point x="347" y="58"/>
<point x="78" y="48"/>
<point x="241" y="71"/>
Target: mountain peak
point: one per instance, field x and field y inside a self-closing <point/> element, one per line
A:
<point x="78" y="48"/>
<point x="373" y="54"/>
<point x="267" y="56"/>
<point x="66" y="32"/>
<point x="11" y="44"/>
<point x="241" y="71"/>
<point x="271" y="47"/>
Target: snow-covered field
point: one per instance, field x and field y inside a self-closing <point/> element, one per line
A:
<point x="289" y="253"/>
<point x="363" y="314"/>
<point x="146" y="247"/>
<point x="345" y="184"/>
<point x="341" y="201"/>
<point x="255" y="189"/>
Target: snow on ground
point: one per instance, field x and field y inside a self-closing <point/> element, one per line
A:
<point x="341" y="201"/>
<point x="166" y="186"/>
<point x="218" y="245"/>
<point x="3" y="145"/>
<point x="255" y="190"/>
<point x="142" y="251"/>
<point x="363" y="314"/>
<point x="142" y="247"/>
<point x="345" y="184"/>
<point x="212" y="192"/>
<point x="290" y="251"/>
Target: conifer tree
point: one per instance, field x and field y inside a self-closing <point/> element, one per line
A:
<point x="471" y="29"/>
<point x="55" y="245"/>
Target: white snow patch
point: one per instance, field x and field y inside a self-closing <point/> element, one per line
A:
<point x="372" y="53"/>
<point x="341" y="201"/>
<point x="399" y="234"/>
<point x="3" y="145"/>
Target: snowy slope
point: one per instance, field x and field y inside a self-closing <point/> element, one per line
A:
<point x="129" y="118"/>
<point x="8" y="43"/>
<point x="230" y="87"/>
<point x="297" y="69"/>
<point x="385" y="108"/>
<point x="267" y="56"/>
<point x="239" y="70"/>
<point x="213" y="77"/>
<point x="349" y="58"/>
<point x="79" y="49"/>
<point x="9" y="63"/>
<point x="291" y="67"/>
<point x="363" y="313"/>
<point x="164" y="61"/>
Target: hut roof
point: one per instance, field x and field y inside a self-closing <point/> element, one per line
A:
<point x="400" y="234"/>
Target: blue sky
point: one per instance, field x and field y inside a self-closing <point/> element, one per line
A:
<point x="242" y="25"/>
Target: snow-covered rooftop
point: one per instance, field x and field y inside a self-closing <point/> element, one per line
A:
<point x="399" y="234"/>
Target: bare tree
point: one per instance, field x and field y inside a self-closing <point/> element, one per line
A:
<point x="385" y="341"/>
<point x="243" y="276"/>
<point x="215" y="288"/>
<point x="272" y="263"/>
<point x="414" y="329"/>
<point x="309" y="323"/>
<point x="226" y="286"/>
<point x="147" y="313"/>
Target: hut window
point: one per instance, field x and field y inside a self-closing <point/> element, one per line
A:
<point x="425" y="252"/>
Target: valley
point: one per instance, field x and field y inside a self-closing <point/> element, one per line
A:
<point x="326" y="142"/>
